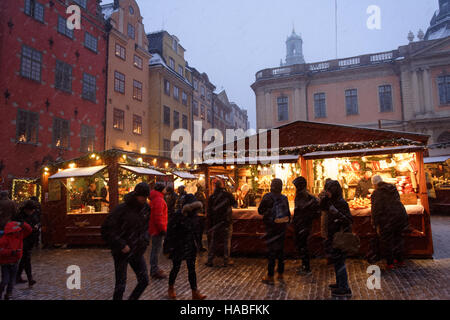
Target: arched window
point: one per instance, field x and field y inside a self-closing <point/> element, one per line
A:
<point x="444" y="137"/>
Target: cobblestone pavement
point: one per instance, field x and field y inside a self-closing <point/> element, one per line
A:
<point x="421" y="279"/>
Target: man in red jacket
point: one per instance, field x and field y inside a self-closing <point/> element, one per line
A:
<point x="11" y="246"/>
<point x="157" y="228"/>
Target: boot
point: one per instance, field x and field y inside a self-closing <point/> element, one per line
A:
<point x="196" y="295"/>
<point x="20" y="280"/>
<point x="268" y="280"/>
<point x="31" y="283"/>
<point x="171" y="293"/>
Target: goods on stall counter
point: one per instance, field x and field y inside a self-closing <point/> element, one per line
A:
<point x="404" y="185"/>
<point x="360" y="203"/>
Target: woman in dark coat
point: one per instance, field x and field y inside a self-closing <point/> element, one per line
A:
<point x="306" y="210"/>
<point x="339" y="218"/>
<point x="181" y="243"/>
<point x="390" y="220"/>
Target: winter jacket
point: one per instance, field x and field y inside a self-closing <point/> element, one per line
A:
<point x="273" y="230"/>
<point x="34" y="222"/>
<point x="158" y="218"/>
<point x="306" y="209"/>
<point x="362" y="190"/>
<point x="200" y="196"/>
<point x="387" y="209"/>
<point x="171" y="200"/>
<point x="126" y="225"/>
<point x="220" y="205"/>
<point x="11" y="243"/>
<point x="181" y="240"/>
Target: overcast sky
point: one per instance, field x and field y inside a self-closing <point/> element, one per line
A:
<point x="231" y="40"/>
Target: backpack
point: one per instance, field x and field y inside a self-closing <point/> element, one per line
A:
<point x="280" y="212"/>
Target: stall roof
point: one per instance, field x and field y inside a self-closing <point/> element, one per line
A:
<point x="77" y="172"/>
<point x="358" y="152"/>
<point x="271" y="159"/>
<point x="436" y="159"/>
<point x="184" y="175"/>
<point x="142" y="170"/>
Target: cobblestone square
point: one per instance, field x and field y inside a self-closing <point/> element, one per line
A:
<point x="421" y="279"/>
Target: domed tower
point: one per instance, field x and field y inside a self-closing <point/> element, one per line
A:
<point x="294" y="49"/>
<point x="440" y="23"/>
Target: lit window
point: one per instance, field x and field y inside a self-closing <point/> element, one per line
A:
<point x="120" y="52"/>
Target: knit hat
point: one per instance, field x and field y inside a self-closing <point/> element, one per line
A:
<point x="142" y="190"/>
<point x="159" y="187"/>
<point x="376" y="180"/>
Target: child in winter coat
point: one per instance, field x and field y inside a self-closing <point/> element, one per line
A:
<point x="11" y="247"/>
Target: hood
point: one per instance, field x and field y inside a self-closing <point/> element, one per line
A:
<point x="276" y="186"/>
<point x="12" y="227"/>
<point x="387" y="187"/>
<point x="130" y="199"/>
<point x="155" y="194"/>
<point x="334" y="188"/>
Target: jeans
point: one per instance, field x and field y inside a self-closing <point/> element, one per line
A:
<point x="176" y="264"/>
<point x="139" y="267"/>
<point x="341" y="272"/>
<point x="154" y="254"/>
<point x="226" y="231"/>
<point x="9" y="272"/>
<point x="25" y="264"/>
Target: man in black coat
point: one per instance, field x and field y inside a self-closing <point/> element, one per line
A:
<point x="306" y="210"/>
<point x="390" y="220"/>
<point x="220" y="218"/>
<point x="126" y="232"/>
<point x="338" y="219"/>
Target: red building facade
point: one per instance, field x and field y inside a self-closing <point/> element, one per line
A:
<point x="52" y="86"/>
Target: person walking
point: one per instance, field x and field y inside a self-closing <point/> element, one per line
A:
<point x="182" y="244"/>
<point x="220" y="220"/>
<point x="11" y="247"/>
<point x="181" y="193"/>
<point x="126" y="231"/>
<point x="171" y="200"/>
<point x="390" y="219"/>
<point x="306" y="210"/>
<point x="338" y="219"/>
<point x="274" y="208"/>
<point x="201" y="196"/>
<point x="157" y="228"/>
<point x="29" y="214"/>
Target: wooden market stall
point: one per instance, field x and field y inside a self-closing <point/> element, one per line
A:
<point x="437" y="172"/>
<point x="78" y="194"/>
<point x="319" y="151"/>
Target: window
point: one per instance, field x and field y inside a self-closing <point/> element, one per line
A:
<point x="444" y="89"/>
<point x="31" y="63"/>
<point x="61" y="133"/>
<point x="131" y="10"/>
<point x="172" y="63"/>
<point x="351" y="101"/>
<point x="167" y="87"/>
<point x="180" y="70"/>
<point x="167" y="116"/>
<point x="184" y="98"/>
<point x="137" y="62"/>
<point x="120" y="52"/>
<point x="167" y="147"/>
<point x="176" y="93"/>
<point x="27" y="127"/>
<point x="209" y="116"/>
<point x="176" y="119"/>
<point x="119" y="119"/>
<point x="195" y="85"/>
<point x="131" y="32"/>
<point x="385" y="94"/>
<point x="203" y="112"/>
<point x="137" y="124"/>
<point x="320" y="107"/>
<point x="90" y="42"/>
<point x="209" y="96"/>
<point x="82" y="3"/>
<point x="202" y="92"/>
<point x="184" y="122"/>
<point x="87" y="138"/>
<point x="89" y="87"/>
<point x="283" y="108"/>
<point x="34" y="9"/>
<point x="137" y="90"/>
<point x="62" y="27"/>
<point x="119" y="82"/>
<point x="175" y="45"/>
<point x="63" y="76"/>
<point x="195" y="108"/>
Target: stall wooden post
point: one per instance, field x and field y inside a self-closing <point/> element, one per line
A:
<point x="113" y="173"/>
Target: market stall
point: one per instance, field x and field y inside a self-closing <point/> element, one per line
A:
<point x="79" y="194"/>
<point x="307" y="149"/>
<point x="437" y="172"/>
<point x="186" y="179"/>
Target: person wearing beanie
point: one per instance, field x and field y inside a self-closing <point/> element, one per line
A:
<point x="274" y="208"/>
<point x="157" y="228"/>
<point x="306" y="210"/>
<point x="390" y="219"/>
<point x="125" y="230"/>
<point x="182" y="244"/>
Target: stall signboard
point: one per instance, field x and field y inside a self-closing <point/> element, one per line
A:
<point x="54" y="190"/>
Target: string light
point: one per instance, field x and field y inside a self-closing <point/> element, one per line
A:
<point x="72" y="165"/>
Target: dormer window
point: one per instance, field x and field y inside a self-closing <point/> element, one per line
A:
<point x="130" y="8"/>
<point x="175" y="45"/>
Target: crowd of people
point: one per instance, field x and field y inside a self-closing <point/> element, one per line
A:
<point x="174" y="223"/>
